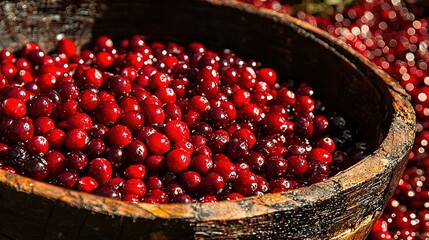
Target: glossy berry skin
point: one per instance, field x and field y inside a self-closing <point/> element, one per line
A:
<point x="119" y="135"/>
<point x="136" y="151"/>
<point x="87" y="184"/>
<point x="56" y="138"/>
<point x="100" y="169"/>
<point x="282" y="185"/>
<point x="56" y="161"/>
<point x="107" y="191"/>
<point x="213" y="183"/>
<point x="76" y="160"/>
<point x="202" y="164"/>
<point x="134" y="186"/>
<point x="158" y="143"/>
<point x="326" y="143"/>
<point x="321" y="155"/>
<point x="21" y="130"/>
<point x="76" y="139"/>
<point x="297" y="165"/>
<point x="42" y="125"/>
<point x="108" y="113"/>
<point x="245" y="183"/>
<point x="37" y="145"/>
<point x="14" y="108"/>
<point x="267" y="75"/>
<point x="154" y="115"/>
<point x="135" y="171"/>
<point x="36" y="168"/>
<point x="276" y="167"/>
<point x="178" y="160"/>
<point x="67" y="47"/>
<point x="39" y="106"/>
<point x="225" y="169"/>
<point x="190" y="181"/>
<point x="68" y="179"/>
<point x="177" y="130"/>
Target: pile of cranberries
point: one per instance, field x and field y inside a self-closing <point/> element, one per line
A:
<point x="162" y="123"/>
<point x="394" y="35"/>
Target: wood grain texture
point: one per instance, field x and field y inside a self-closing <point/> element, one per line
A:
<point x="343" y="207"/>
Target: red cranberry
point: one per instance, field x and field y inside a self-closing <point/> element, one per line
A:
<point x="255" y="161"/>
<point x="21" y="130"/>
<point x="104" y="60"/>
<point x="246" y="135"/>
<point x="245" y="183"/>
<point x="67" y="47"/>
<point x="267" y="75"/>
<point x="219" y="141"/>
<point x="159" y="196"/>
<point x="56" y="162"/>
<point x="276" y="167"/>
<point x="202" y="164"/>
<point x="234" y="196"/>
<point x="135" y="171"/>
<point x="321" y="155"/>
<point x="304" y="127"/>
<point x="225" y="169"/>
<point x="213" y="183"/>
<point x="154" y="182"/>
<point x="55" y="138"/>
<point x="107" y="191"/>
<point x="92" y="77"/>
<point x="304" y="104"/>
<point x="159" y="80"/>
<point x="172" y="112"/>
<point x="99" y="131"/>
<point x="118" y="85"/>
<point x="100" y="169"/>
<point x="326" y="143"/>
<point x="190" y="181"/>
<point x="182" y="198"/>
<point x="42" y="125"/>
<point x="79" y="120"/>
<point x="95" y="148"/>
<point x="68" y="90"/>
<point x="263" y="185"/>
<point x="177" y="130"/>
<point x="178" y="160"/>
<point x="282" y="185"/>
<point x="76" y="139"/>
<point x="134" y="186"/>
<point x="119" y="135"/>
<point x="136" y="151"/>
<point x="14" y="108"/>
<point x="297" y="165"/>
<point x="87" y="184"/>
<point x="39" y="106"/>
<point x="108" y="113"/>
<point x="250" y="112"/>
<point x="37" y="145"/>
<point x="153" y="115"/>
<point x="68" y="179"/>
<point x="158" y="143"/>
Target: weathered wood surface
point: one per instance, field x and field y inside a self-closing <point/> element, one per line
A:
<point x="343" y="207"/>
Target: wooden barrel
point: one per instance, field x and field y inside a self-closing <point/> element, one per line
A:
<point x="343" y="207"/>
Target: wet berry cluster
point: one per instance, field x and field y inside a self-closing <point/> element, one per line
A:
<point x="162" y="123"/>
<point x="394" y="35"/>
